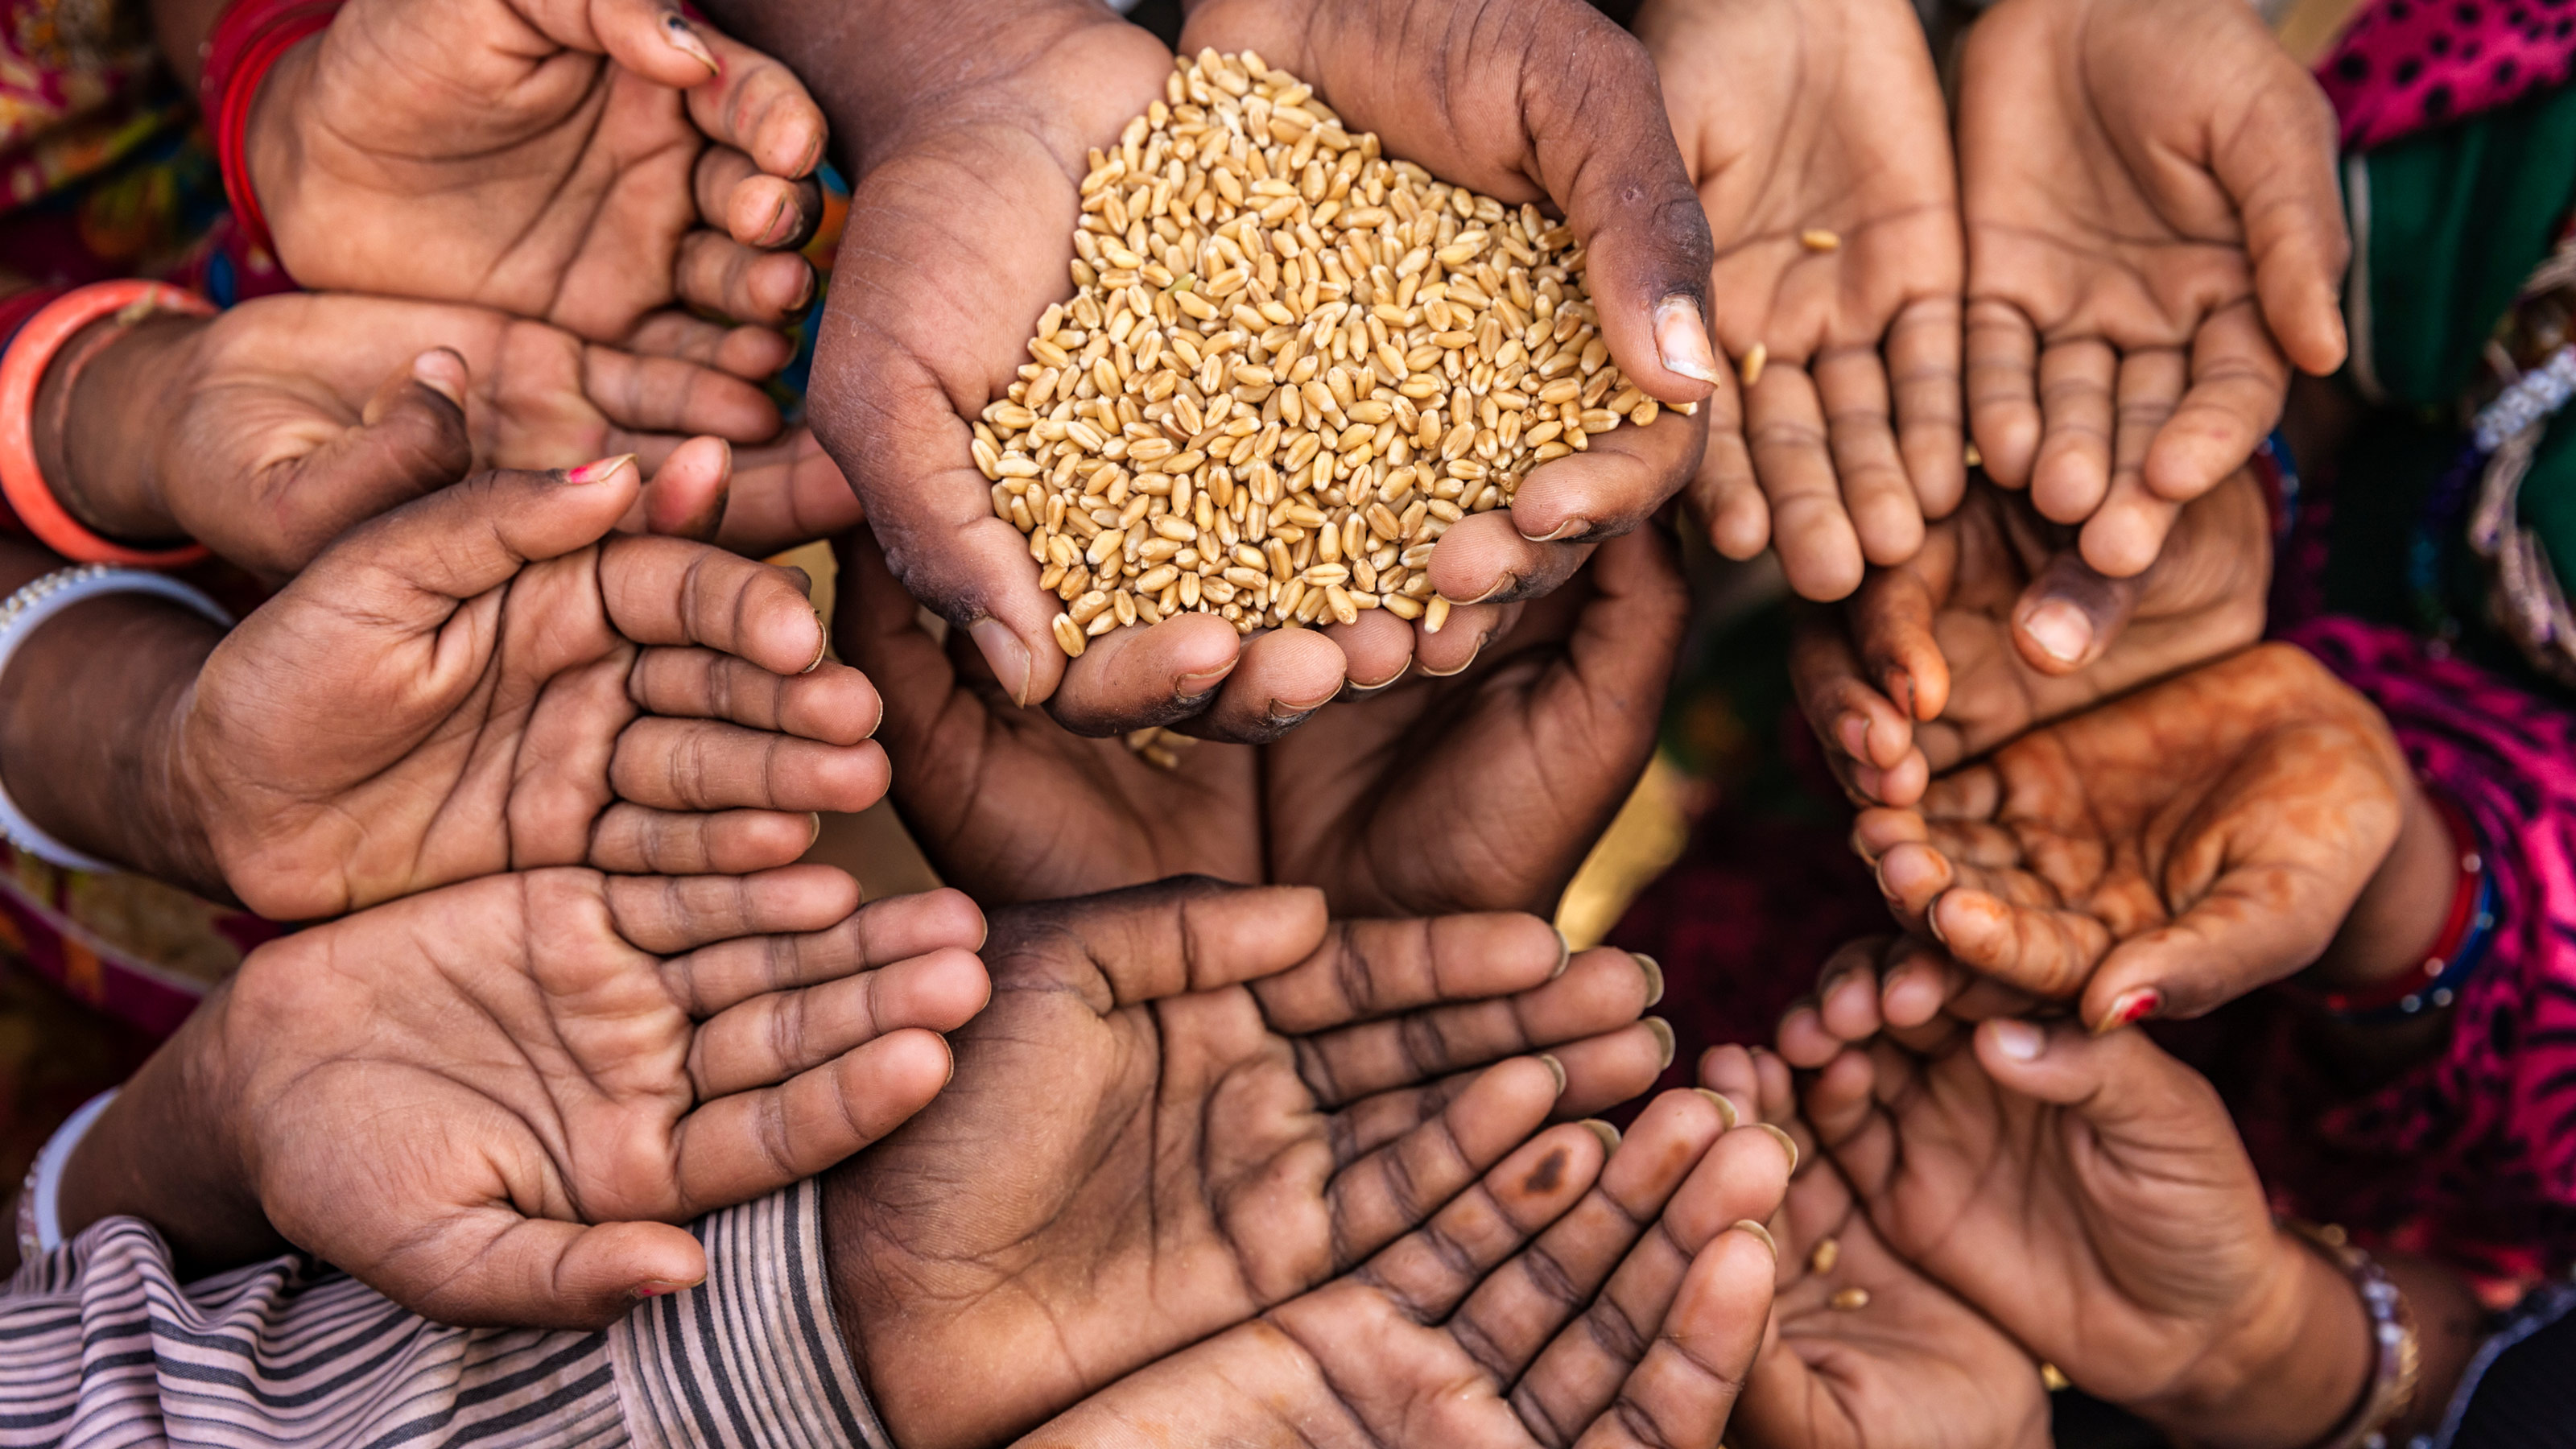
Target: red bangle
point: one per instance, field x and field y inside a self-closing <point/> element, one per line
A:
<point x="248" y="39"/>
<point x="2456" y="926"/>
<point x="22" y="372"/>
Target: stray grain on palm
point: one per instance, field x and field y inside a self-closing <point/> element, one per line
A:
<point x="1289" y="364"/>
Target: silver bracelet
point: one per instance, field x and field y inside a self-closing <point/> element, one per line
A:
<point x="40" y="1207"/>
<point x="27" y="610"/>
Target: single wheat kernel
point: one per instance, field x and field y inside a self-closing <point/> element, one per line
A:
<point x="1288" y="365"/>
<point x="1753" y="363"/>
<point x="1849" y="1299"/>
<point x="1828" y="1252"/>
<point x="1817" y="239"/>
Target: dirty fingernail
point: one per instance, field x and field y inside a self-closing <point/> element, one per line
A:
<point x="1788" y="1144"/>
<point x="1007" y="656"/>
<point x="1654" y="976"/>
<point x="1757" y="1233"/>
<point x="1663" y="1034"/>
<point x="1608" y="1134"/>
<point x="1555" y="1069"/>
<point x="1681" y="340"/>
<point x="2060" y="630"/>
<point x="1725" y="1108"/>
<point x="683" y="37"/>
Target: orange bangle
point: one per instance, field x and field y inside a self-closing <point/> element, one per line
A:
<point x="22" y="371"/>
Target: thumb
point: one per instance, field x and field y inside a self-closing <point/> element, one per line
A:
<point x="2071" y="613"/>
<point x="531" y="1273"/>
<point x="2123" y="1085"/>
<point x="462" y="541"/>
<point x="687" y="496"/>
<point x="2280" y="172"/>
<point x="411" y="439"/>
<point x="653" y="39"/>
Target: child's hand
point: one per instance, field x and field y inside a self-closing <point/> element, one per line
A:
<point x="2088" y="1194"/>
<point x="1821" y="147"/>
<point x="2162" y="854"/>
<point x="476" y="682"/>
<point x="2153" y="222"/>
<point x="1997" y="626"/>
<point x="603" y="165"/>
<point x="494" y="1102"/>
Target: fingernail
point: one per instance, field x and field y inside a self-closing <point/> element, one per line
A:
<point x="1725" y="1108"/>
<point x="2129" y="1008"/>
<point x="1654" y="970"/>
<point x="1663" y="1033"/>
<point x="600" y="471"/>
<point x="2060" y="630"/>
<point x="782" y="224"/>
<point x="1564" y="954"/>
<point x="1853" y="731"/>
<point x="1867" y="779"/>
<point x="1008" y="657"/>
<point x="1759" y="1234"/>
<point x="2019" y="1040"/>
<point x="683" y="37"/>
<point x="1608" y="1134"/>
<point x="655" y="1288"/>
<point x="1570" y="528"/>
<point x="1681" y="340"/>
<point x="815" y="817"/>
<point x="442" y="372"/>
<point x="1555" y="1069"/>
<point x="1190" y="688"/>
<point x="1468" y="663"/>
<point x="1787" y="1143"/>
<point x="1503" y="583"/>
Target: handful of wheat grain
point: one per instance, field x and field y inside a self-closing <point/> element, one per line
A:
<point x="1289" y="364"/>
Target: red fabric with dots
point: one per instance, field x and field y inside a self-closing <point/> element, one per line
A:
<point x="2406" y="65"/>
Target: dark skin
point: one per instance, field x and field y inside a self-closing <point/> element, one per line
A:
<point x="1189" y="1103"/>
<point x="961" y="235"/>
<point x="1519" y="760"/>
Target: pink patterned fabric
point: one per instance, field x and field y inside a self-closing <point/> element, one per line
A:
<point x="2470" y="1156"/>
<point x="2405" y="65"/>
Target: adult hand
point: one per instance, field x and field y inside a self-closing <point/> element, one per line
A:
<point x="1189" y="1103"/>
<point x="1561" y="1299"/>
<point x="494" y="1102"/>
<point x="2155" y="234"/>
<point x="2164" y="853"/>
<point x="603" y="165"/>
<point x="1545" y="102"/>
<point x="1821" y="146"/>
<point x="476" y="682"/>
<point x="1864" y="1349"/>
<point x="269" y="429"/>
<point x="1998" y="626"/>
<point x="1515" y="761"/>
<point x="2089" y="1195"/>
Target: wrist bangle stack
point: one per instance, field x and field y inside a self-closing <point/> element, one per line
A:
<point x="27" y="610"/>
<point x="2467" y="930"/>
<point x="22" y="372"/>
<point x="2396" y="1360"/>
<point x="40" y="1214"/>
<point x="249" y="38"/>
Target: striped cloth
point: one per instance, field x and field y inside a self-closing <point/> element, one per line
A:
<point x="101" y="1345"/>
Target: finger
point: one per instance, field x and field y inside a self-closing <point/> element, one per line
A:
<point x="1427" y="1272"/>
<point x="410" y="567"/>
<point x="735" y="1148"/>
<point x="1510" y="1316"/>
<point x="666" y="915"/>
<point x="1605" y="1070"/>
<point x="2072" y="471"/>
<point x="2049" y="953"/>
<point x="1893" y="621"/>
<point x="751" y="206"/>
<point x="490" y="1266"/>
<point x="2071" y="613"/>
<point x="834" y="704"/>
<point x="745" y="284"/>
<point x="1685" y="1388"/>
<point x="1600" y="991"/>
<point x="1147" y="942"/>
<point x="745" y="352"/>
<point x="2262" y="921"/>
<point x="1364" y="970"/>
<point x="690" y="487"/>
<point x="2239" y="381"/>
<point x="411" y="439"/>
<point x="667" y="395"/>
<point x="1281" y="677"/>
<point x="758" y="107"/>
<point x="1453" y="647"/>
<point x="716" y="977"/>
<point x="1923" y="361"/>
<point x="2003" y="390"/>
<point x="1163" y="674"/>
<point x="1396" y="1188"/>
<point x="650" y="38"/>
<point x="2129" y="525"/>
<point x="771" y="1037"/>
<point x="2280" y="171"/>
<point x="670" y="591"/>
<point x="705" y="765"/>
<point x="1723" y="490"/>
<point x="2122" y="1082"/>
<point x="1613" y="485"/>
<point x="1861" y="435"/>
<point x="1486" y="560"/>
<point x="632" y="839"/>
<point x="785" y="494"/>
<point x="1375" y="651"/>
<point x="1819" y="549"/>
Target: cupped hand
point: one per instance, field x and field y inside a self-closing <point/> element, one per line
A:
<point x="2155" y="234"/>
<point x="270" y="429"/>
<point x="495" y="1102"/>
<point x="1189" y="1103"/>
<point x="1477" y="790"/>
<point x="1821" y="145"/>
<point x="603" y="165"/>
<point x="1562" y="1299"/>
<point x="1864" y="1349"/>
<point x="476" y="682"/>
<point x="2089" y="1195"/>
<point x="1998" y="626"/>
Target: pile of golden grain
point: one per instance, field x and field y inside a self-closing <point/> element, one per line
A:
<point x="1289" y="364"/>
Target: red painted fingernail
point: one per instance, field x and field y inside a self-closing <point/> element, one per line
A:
<point x="598" y="471"/>
<point x="2129" y="1008"/>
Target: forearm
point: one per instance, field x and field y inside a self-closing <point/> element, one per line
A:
<point x="89" y="714"/>
<point x="2392" y="926"/>
<point x="2289" y="1371"/>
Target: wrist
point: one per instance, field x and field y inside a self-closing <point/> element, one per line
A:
<point x="2400" y="914"/>
<point x="2287" y="1372"/>
<point x="95" y="458"/>
<point x="272" y="152"/>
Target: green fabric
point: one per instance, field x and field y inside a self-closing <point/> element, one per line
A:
<point x="2458" y="218"/>
<point x="2549" y="496"/>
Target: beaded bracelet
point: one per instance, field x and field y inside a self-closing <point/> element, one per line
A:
<point x="28" y="609"/>
<point x="2467" y="930"/>
<point x="249" y="38"/>
<point x="40" y="1199"/>
<point x="2396" y="1357"/>
<point x="22" y="373"/>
